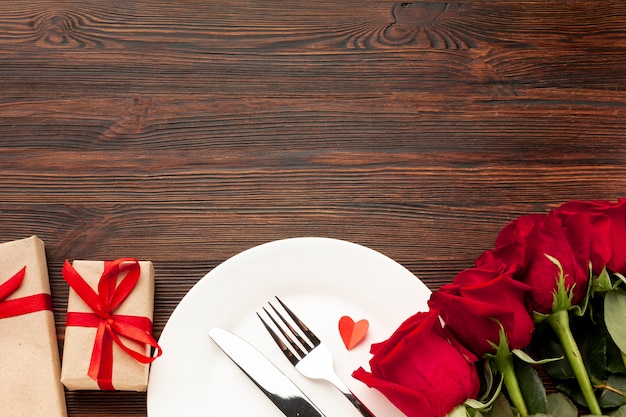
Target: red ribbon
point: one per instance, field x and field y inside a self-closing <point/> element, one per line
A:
<point x="110" y="327"/>
<point x="24" y="305"/>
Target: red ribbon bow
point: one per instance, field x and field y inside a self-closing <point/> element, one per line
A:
<point x="24" y="305"/>
<point x="110" y="327"/>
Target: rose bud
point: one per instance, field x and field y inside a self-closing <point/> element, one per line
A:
<point x="548" y="248"/>
<point x="420" y="370"/>
<point x="479" y="303"/>
<point x="608" y="223"/>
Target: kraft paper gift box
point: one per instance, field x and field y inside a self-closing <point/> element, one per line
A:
<point x="30" y="368"/>
<point x="119" y="369"/>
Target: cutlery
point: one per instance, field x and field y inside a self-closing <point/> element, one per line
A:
<point x="272" y="382"/>
<point x="309" y="356"/>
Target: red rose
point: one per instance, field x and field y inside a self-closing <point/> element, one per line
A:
<point x="479" y="301"/>
<point x="536" y="236"/>
<point x="513" y="255"/>
<point x="608" y="239"/>
<point x="420" y="370"/>
<point x="519" y="229"/>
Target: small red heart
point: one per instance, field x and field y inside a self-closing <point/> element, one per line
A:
<point x="352" y="333"/>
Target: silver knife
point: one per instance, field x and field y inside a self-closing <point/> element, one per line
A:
<point x="274" y="384"/>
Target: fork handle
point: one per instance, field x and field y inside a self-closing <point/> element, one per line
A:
<point x="358" y="404"/>
<point x="353" y="399"/>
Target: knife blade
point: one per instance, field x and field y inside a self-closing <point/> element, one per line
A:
<point x="270" y="380"/>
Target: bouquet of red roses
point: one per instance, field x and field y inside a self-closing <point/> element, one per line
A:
<point x="550" y="295"/>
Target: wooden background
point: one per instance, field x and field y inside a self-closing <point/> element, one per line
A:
<point x="184" y="132"/>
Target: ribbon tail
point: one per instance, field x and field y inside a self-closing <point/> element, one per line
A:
<point x="101" y="364"/>
<point x="140" y="336"/>
<point x="12" y="284"/>
<point x="25" y="305"/>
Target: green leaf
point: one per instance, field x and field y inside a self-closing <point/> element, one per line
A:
<point x="620" y="277"/>
<point x="458" y="411"/>
<point x="592" y="344"/>
<point x="546" y="345"/>
<point x="528" y="359"/>
<point x="487" y="392"/>
<point x="558" y="369"/>
<point x="532" y="388"/>
<point x="615" y="317"/>
<point x="620" y="412"/>
<point x="561" y="406"/>
<point x="614" y="360"/>
<point x="491" y="391"/>
<point x="500" y="408"/>
<point x="572" y="390"/>
<point x="614" y="397"/>
<point x="593" y="327"/>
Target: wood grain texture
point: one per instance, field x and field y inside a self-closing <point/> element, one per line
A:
<point x="186" y="132"/>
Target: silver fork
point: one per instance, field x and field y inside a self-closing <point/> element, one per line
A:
<point x="309" y="356"/>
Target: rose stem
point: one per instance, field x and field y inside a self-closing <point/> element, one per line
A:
<point x="505" y="365"/>
<point x="559" y="321"/>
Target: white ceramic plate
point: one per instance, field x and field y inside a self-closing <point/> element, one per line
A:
<point x="321" y="280"/>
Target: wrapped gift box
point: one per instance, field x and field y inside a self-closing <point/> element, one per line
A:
<point x="126" y="372"/>
<point x="29" y="352"/>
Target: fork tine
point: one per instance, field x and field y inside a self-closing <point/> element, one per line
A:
<point x="285" y="349"/>
<point x="300" y="324"/>
<point x="307" y="345"/>
<point x="286" y="335"/>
